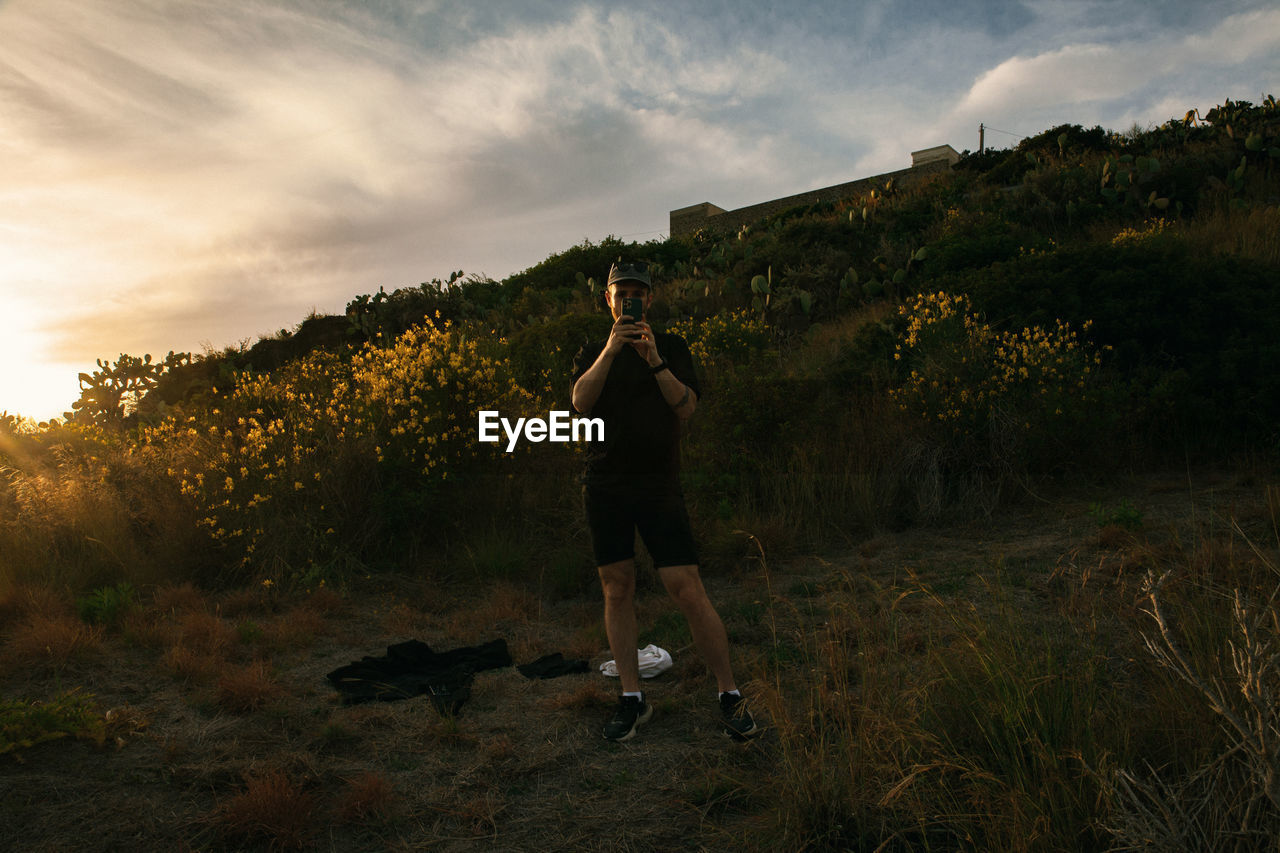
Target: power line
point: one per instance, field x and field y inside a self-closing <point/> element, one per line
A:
<point x="982" y="135"/>
<point x="1010" y="133"/>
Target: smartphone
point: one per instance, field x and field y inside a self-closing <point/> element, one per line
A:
<point x="633" y="307"/>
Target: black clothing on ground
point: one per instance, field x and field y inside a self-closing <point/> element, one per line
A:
<point x="641" y="447"/>
<point x="413" y="669"/>
<point x="552" y="666"/>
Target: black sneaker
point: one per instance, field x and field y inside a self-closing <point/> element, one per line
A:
<point x="738" y="722"/>
<point x="631" y="714"/>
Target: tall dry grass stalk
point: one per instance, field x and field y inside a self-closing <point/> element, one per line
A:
<point x="846" y="713"/>
<point x="909" y="720"/>
<point x="88" y="512"/>
<point x="845" y="737"/>
<point x="1019" y="717"/>
<point x="1231" y="801"/>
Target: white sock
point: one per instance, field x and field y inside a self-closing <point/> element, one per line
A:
<point x="635" y="695"/>
<point x="733" y="692"/>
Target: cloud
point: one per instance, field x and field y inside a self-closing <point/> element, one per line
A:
<point x="1082" y="62"/>
<point x="175" y="172"/>
<point x="217" y="124"/>
<point x="1070" y="82"/>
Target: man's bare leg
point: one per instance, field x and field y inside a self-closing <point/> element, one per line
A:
<point x="618" y="580"/>
<point x="684" y="584"/>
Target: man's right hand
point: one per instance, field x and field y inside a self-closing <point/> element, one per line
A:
<point x="624" y="333"/>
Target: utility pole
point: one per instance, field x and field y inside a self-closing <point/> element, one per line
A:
<point x="982" y="132"/>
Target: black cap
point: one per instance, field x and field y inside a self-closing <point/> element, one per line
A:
<point x="629" y="272"/>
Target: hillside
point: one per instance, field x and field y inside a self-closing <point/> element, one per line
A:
<point x="984" y="482"/>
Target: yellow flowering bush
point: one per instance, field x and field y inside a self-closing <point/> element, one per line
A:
<point x="261" y="468"/>
<point x="304" y="466"/>
<point x="965" y="378"/>
<point x="1130" y="236"/>
<point x="422" y="396"/>
<point x="734" y="337"/>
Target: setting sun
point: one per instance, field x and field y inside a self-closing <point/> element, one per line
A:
<point x="30" y="384"/>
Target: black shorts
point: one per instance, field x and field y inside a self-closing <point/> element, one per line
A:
<point x="662" y="521"/>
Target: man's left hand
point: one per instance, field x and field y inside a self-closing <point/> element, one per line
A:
<point x="646" y="346"/>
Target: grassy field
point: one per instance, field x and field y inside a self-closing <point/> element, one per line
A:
<point x="968" y="685"/>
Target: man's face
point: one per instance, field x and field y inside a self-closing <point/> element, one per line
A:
<point x="619" y="290"/>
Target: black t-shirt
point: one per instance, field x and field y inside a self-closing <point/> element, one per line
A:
<point x="641" y="446"/>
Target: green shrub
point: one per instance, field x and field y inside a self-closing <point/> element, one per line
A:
<point x="107" y="605"/>
<point x="971" y="242"/>
<point x="592" y="260"/>
<point x="24" y="724"/>
<point x="1124" y="515"/>
<point x="541" y="354"/>
<point x="1208" y="324"/>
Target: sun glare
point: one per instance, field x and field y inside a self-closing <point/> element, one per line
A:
<point x="32" y="387"/>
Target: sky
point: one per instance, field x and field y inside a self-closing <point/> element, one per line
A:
<point x="188" y="175"/>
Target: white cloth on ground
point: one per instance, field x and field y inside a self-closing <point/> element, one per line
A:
<point x="653" y="661"/>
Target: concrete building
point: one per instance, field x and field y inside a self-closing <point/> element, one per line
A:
<point x="688" y="220"/>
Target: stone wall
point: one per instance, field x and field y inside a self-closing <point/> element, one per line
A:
<point x="707" y="216"/>
<point x="686" y="220"/>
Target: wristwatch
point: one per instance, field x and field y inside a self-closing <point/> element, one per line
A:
<point x="662" y="365"/>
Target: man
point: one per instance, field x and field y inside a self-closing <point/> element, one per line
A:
<point x="643" y="385"/>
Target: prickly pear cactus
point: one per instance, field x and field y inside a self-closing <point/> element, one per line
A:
<point x="112" y="392"/>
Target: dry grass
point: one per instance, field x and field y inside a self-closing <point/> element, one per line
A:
<point x="594" y="695"/>
<point x="325" y="601"/>
<point x="503" y="606"/>
<point x="403" y="620"/>
<point x="79" y="528"/>
<point x="197" y="644"/>
<point x="22" y="603"/>
<point x="49" y="642"/>
<point x="1253" y="233"/>
<point x="368" y="797"/>
<point x="272" y="809"/>
<point x="173" y="600"/>
<point x="247" y="688"/>
<point x="190" y="665"/>
<point x="888" y="679"/>
<point x="1273" y="510"/>
<point x="298" y="627"/>
<point x="145" y="628"/>
<point x="1230" y="798"/>
<point x="1113" y="536"/>
<point x="258" y="599"/>
<point x="203" y="633"/>
<point x="825" y="343"/>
